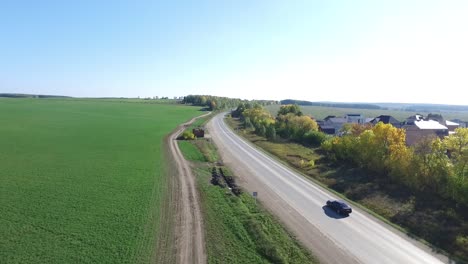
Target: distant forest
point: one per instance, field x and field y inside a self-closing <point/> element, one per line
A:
<point x="384" y="106"/>
<point x="331" y="104"/>
<point x="16" y="95"/>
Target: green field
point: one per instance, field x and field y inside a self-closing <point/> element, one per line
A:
<point x="82" y="181"/>
<point x="320" y="112"/>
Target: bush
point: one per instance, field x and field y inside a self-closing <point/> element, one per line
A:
<point x="314" y="138"/>
<point x="188" y="135"/>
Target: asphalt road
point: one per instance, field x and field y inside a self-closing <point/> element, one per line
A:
<point x="360" y="236"/>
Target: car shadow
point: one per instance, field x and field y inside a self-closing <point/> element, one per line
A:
<point x="333" y="214"/>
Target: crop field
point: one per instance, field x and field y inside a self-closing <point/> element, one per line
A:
<point x="82" y="180"/>
<point x="320" y="112"/>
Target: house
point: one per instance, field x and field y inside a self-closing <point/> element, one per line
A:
<point x="386" y="119"/>
<point x="410" y="120"/>
<point x="451" y="125"/>
<point x="417" y="128"/>
<point x="355" y="119"/>
<point x="461" y="123"/>
<point x="439" y="118"/>
<point x="368" y="120"/>
<point x="331" y="124"/>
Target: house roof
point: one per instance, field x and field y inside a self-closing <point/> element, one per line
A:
<point x="450" y="123"/>
<point x="386" y="119"/>
<point x="429" y="124"/>
<point x="327" y="127"/>
<point x="337" y="120"/>
<point x="416" y="117"/>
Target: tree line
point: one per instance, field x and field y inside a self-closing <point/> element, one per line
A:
<point x="220" y="103"/>
<point x="329" y="104"/>
<point x="289" y="123"/>
<point x="434" y="166"/>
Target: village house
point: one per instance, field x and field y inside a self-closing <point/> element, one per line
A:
<point x="418" y="128"/>
<point x="386" y="119"/>
<point x="451" y="126"/>
<point x="332" y="125"/>
<point x="355" y="119"/>
<point x="461" y="123"/>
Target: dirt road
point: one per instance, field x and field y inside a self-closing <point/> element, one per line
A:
<point x="189" y="231"/>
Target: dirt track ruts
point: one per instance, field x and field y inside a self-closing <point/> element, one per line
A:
<point x="189" y="233"/>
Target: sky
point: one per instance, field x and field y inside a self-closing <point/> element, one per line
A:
<point x="406" y="51"/>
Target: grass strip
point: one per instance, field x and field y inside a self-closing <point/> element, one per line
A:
<point x="191" y="151"/>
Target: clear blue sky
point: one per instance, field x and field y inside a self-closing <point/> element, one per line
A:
<point x="398" y="51"/>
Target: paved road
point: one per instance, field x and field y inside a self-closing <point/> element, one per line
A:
<point x="360" y="236"/>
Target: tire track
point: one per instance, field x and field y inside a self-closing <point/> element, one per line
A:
<point x="190" y="243"/>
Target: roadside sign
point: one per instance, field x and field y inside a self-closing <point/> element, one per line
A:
<point x="255" y="194"/>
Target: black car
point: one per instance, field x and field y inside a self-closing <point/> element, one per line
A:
<point x="339" y="206"/>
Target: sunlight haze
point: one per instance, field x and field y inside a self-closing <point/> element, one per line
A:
<point x="348" y="51"/>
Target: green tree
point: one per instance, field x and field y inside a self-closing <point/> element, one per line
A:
<point x="248" y="123"/>
<point x="290" y="109"/>
<point x="457" y="145"/>
<point x="271" y="132"/>
<point x="260" y="129"/>
<point x="432" y="168"/>
<point x="213" y="105"/>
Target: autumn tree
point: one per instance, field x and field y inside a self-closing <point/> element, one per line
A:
<point x="431" y="165"/>
<point x="259" y="118"/>
<point x="300" y="125"/>
<point x="457" y="146"/>
<point x="290" y="109"/>
<point x="292" y="124"/>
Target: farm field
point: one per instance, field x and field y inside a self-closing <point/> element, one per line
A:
<point x="82" y="181"/>
<point x="320" y="112"/>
